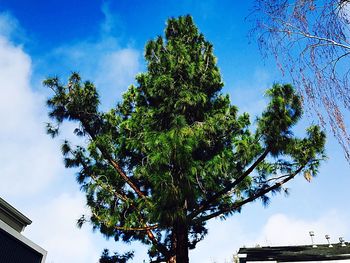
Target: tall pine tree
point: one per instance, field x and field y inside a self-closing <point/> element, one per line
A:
<point x="174" y="153"/>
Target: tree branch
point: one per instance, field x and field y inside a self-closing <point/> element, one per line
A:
<point x="123" y="228"/>
<point x="324" y="39"/>
<point x="230" y="186"/>
<point x="239" y="204"/>
<point x="113" y="163"/>
<point x="161" y="248"/>
<point x="298" y="31"/>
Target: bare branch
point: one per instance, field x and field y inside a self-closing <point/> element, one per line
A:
<point x="310" y="41"/>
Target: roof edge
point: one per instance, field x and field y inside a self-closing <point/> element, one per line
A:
<point x="14" y="213"/>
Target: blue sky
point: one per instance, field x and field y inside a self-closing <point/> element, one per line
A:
<point x="104" y="41"/>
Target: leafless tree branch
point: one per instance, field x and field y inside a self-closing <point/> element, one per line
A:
<point x="310" y="41"/>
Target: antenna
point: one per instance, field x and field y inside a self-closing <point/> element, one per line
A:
<point x="328" y="237"/>
<point x="312" y="234"/>
<point x="342" y="242"/>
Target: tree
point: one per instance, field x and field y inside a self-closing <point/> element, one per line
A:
<point x="175" y="153"/>
<point x="310" y="41"/>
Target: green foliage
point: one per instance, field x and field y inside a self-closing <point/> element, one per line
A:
<point x="116" y="258"/>
<point x="174" y="152"/>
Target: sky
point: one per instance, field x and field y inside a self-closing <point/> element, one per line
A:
<point x="104" y="41"/>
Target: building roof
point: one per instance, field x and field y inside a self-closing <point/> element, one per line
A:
<point x="295" y="253"/>
<point x="12" y="217"/>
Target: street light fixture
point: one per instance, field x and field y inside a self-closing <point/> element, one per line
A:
<point x="342" y="242"/>
<point x="328" y="238"/>
<point x="312" y="234"/>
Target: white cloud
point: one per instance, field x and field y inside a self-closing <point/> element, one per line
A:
<point x="111" y="21"/>
<point x="118" y="68"/>
<point x="28" y="157"/>
<point x="283" y="230"/>
<point x="101" y="59"/>
<point x="226" y="237"/>
<point x="8" y="25"/>
<point x="30" y="161"/>
<point x="55" y="230"/>
<point x="109" y="66"/>
<point x="249" y="95"/>
<point x="219" y="245"/>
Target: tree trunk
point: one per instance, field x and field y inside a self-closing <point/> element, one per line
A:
<point x="180" y="244"/>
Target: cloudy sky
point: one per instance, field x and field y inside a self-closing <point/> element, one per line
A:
<point x="104" y="41"/>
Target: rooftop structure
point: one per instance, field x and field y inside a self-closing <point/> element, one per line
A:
<point x="12" y="217"/>
<point x="321" y="253"/>
<point x="16" y="248"/>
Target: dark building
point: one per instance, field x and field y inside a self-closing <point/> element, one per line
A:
<point x="321" y="253"/>
<point x="14" y="247"/>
